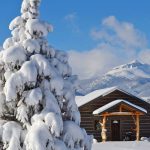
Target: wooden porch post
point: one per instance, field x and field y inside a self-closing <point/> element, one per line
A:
<point x="103" y="133"/>
<point x="137" y="127"/>
<point x="120" y="108"/>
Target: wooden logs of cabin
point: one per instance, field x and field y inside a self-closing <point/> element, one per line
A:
<point x="139" y="127"/>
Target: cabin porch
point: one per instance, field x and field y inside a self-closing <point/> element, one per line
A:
<point x="119" y="120"/>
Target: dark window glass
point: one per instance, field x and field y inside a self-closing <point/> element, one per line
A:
<point x="97" y="125"/>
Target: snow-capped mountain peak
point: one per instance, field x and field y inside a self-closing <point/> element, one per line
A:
<point x="132" y="64"/>
<point x="133" y="76"/>
<point x="133" y="69"/>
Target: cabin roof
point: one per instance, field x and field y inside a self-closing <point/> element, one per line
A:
<point x="116" y="102"/>
<point x="82" y="100"/>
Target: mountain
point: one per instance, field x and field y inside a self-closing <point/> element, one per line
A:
<point x="133" y="77"/>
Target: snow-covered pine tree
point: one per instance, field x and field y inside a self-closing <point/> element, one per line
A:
<point x="37" y="90"/>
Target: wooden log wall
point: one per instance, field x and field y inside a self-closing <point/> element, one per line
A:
<point x="126" y="122"/>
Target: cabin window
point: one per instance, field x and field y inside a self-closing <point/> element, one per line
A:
<point x="97" y="125"/>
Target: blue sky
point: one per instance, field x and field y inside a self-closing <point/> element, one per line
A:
<point x="75" y="21"/>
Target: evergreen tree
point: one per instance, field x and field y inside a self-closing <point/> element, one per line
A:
<point x="37" y="90"/>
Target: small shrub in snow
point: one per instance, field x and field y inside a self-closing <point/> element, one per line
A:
<point x="145" y="139"/>
<point x="95" y="141"/>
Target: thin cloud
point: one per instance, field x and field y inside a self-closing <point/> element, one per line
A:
<point x="144" y="56"/>
<point x="72" y="21"/>
<point x="71" y="17"/>
<point x="117" y="43"/>
<point x="118" y="33"/>
<point x="93" y="62"/>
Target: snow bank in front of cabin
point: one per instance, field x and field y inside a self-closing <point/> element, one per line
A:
<point x="132" y="145"/>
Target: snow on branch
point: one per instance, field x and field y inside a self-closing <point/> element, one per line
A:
<point x="38" y="28"/>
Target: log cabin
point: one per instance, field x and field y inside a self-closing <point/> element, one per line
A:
<point x="113" y="114"/>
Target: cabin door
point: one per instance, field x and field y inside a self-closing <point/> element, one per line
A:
<point x="115" y="130"/>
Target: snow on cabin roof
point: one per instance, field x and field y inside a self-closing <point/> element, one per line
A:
<point x="113" y="103"/>
<point x="95" y="94"/>
<point x="89" y="97"/>
<point x="78" y="98"/>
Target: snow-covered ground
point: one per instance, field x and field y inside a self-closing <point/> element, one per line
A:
<point x="142" y="145"/>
